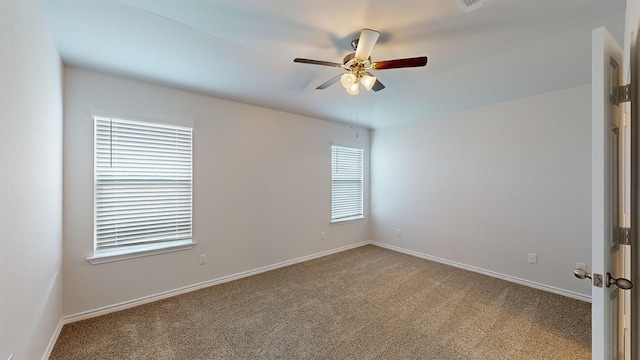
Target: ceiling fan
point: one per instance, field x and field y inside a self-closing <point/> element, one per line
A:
<point x="358" y="65"/>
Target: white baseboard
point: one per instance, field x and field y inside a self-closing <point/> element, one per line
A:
<point x="163" y="295"/>
<point x="166" y="294"/>
<point x="53" y="340"/>
<point x="510" y="278"/>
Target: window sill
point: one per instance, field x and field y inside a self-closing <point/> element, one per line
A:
<point x="347" y="220"/>
<point x="139" y="251"/>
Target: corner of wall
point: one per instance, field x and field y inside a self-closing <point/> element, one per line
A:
<point x="30" y="181"/>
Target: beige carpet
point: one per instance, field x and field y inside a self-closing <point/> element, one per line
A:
<point x="365" y="303"/>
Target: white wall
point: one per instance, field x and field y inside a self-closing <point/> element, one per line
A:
<point x="30" y="182"/>
<point x="261" y="189"/>
<point x="487" y="186"/>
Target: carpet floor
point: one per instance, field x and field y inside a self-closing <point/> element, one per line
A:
<point x="364" y="303"/>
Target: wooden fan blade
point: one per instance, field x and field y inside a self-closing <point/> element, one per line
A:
<point x="377" y="86"/>
<point x="400" y="63"/>
<point x="317" y="62"/>
<point x="329" y="82"/>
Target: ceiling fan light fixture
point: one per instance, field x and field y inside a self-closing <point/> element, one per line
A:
<point x="368" y="81"/>
<point x="354" y="89"/>
<point x="358" y="64"/>
<point x="347" y="80"/>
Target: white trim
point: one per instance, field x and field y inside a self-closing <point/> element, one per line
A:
<point x="165" y="120"/>
<point x="156" y="249"/>
<point x="348" y="220"/>
<point x="513" y="279"/>
<point x="167" y="294"/>
<point x="54" y="339"/>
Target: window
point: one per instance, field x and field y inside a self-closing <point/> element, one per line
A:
<point x="346" y="184"/>
<point x="143" y="187"/>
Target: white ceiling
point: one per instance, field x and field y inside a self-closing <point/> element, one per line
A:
<point x="243" y="50"/>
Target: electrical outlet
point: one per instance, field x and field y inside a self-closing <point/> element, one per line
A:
<point x="322" y="235"/>
<point x="533" y="258"/>
<point x="203" y="259"/>
<point x="398" y="232"/>
<point x="582" y="266"/>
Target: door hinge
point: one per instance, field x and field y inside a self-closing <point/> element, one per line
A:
<point x="624" y="235"/>
<point x="621" y="94"/>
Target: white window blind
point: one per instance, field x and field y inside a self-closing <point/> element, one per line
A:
<point x="143" y="185"/>
<point x="346" y="183"/>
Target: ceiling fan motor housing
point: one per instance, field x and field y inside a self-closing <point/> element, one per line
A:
<point x="354" y="65"/>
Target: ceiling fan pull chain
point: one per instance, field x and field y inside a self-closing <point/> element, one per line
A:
<point x="357" y="113"/>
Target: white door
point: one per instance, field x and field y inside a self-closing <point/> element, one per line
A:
<point x="609" y="196"/>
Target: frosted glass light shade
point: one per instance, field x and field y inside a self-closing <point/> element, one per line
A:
<point x="367" y="81"/>
<point x="347" y="80"/>
<point x="354" y="89"/>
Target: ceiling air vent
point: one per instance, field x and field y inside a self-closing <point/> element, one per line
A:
<point x="470" y="5"/>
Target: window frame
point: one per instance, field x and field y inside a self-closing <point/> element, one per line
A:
<point x="145" y="245"/>
<point x="356" y="176"/>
